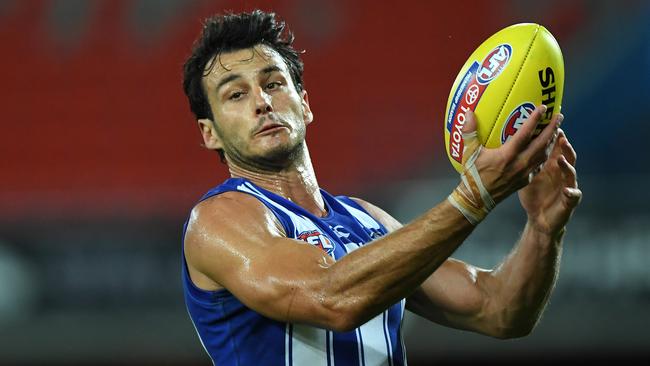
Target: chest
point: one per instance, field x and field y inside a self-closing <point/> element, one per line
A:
<point x="337" y="235"/>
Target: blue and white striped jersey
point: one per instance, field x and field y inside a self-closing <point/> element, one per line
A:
<point x="233" y="334"/>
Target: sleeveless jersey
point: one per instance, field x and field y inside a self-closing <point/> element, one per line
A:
<point x="233" y="334"/>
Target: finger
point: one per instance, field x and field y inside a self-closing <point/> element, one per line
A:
<point x="557" y="146"/>
<point x="540" y="148"/>
<point x="574" y="195"/>
<point x="553" y="149"/>
<point x="521" y="139"/>
<point x="547" y="138"/>
<point x="569" y="172"/>
<point x="534" y="173"/>
<point x="568" y="151"/>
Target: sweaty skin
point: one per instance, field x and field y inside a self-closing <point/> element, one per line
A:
<point x="234" y="242"/>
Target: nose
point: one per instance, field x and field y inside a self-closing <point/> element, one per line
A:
<point x="263" y="109"/>
<point x="262" y="102"/>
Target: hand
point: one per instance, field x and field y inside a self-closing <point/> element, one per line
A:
<point x="553" y="194"/>
<point x="507" y="168"/>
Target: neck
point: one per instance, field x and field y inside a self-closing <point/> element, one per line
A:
<point x="295" y="182"/>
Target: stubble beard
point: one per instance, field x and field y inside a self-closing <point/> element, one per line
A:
<point x="284" y="155"/>
<point x="275" y="159"/>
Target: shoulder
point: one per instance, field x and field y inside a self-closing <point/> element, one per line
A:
<point x="221" y="230"/>
<point x="378" y="214"/>
<point x="231" y="210"/>
<point x="227" y="218"/>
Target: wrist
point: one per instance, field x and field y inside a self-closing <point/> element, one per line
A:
<point x="542" y="228"/>
<point x="471" y="198"/>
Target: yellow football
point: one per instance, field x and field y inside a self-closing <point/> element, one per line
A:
<point x="513" y="71"/>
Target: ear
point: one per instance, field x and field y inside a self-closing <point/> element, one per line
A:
<point x="208" y="130"/>
<point x="307" y="115"/>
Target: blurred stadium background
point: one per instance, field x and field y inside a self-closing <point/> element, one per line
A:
<point x="101" y="161"/>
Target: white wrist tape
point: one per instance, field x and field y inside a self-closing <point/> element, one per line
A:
<point x="471" y="198"/>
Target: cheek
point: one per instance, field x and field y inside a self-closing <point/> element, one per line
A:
<point x="230" y="132"/>
<point x="288" y="104"/>
<point x="230" y="111"/>
<point x="232" y="117"/>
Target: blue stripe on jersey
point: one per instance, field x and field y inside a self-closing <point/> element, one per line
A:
<point x="329" y="355"/>
<point x="233" y="334"/>
<point x="346" y="349"/>
<point x="400" y="352"/>
<point x="395" y="315"/>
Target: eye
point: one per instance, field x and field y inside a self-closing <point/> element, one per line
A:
<point x="273" y="85"/>
<point x="236" y="95"/>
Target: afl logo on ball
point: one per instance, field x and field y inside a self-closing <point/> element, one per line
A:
<point x="494" y="63"/>
<point x="515" y="120"/>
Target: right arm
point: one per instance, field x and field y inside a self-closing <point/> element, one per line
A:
<point x="288" y="281"/>
<point x="234" y="241"/>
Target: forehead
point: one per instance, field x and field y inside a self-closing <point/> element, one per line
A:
<point x="248" y="60"/>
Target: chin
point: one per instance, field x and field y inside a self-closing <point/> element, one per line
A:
<point x="281" y="154"/>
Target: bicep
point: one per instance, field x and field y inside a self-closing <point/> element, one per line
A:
<point x="454" y="295"/>
<point x="236" y="244"/>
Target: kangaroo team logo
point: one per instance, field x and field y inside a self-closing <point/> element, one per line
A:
<point x="315" y="238"/>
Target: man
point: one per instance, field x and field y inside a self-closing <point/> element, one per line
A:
<point x="277" y="271"/>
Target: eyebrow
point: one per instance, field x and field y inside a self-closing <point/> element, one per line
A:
<point x="233" y="77"/>
<point x="270" y="69"/>
<point x="227" y="79"/>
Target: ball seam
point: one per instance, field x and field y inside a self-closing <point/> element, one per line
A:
<point x="530" y="47"/>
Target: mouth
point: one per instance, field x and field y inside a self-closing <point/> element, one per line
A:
<point x="269" y="128"/>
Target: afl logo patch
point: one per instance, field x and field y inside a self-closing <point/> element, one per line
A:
<point x="515" y="120"/>
<point x="494" y="63"/>
<point x="316" y="238"/>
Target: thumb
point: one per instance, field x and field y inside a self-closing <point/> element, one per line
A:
<point x="472" y="145"/>
<point x="470" y="123"/>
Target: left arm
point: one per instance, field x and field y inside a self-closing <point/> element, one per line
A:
<point x="504" y="302"/>
<point x="508" y="300"/>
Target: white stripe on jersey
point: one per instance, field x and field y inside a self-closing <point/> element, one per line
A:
<point x="387" y="338"/>
<point x="365" y="219"/>
<point x="374" y="342"/>
<point x="300" y="222"/>
<point x="308" y="347"/>
<point x="358" y="332"/>
<point x="351" y="247"/>
<point x="287" y="342"/>
<point x="331" y="347"/>
<point x="401" y="335"/>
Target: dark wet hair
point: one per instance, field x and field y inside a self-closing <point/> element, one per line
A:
<point x="232" y="32"/>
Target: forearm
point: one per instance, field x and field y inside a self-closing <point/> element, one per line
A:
<point x="372" y="278"/>
<point x="521" y="285"/>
